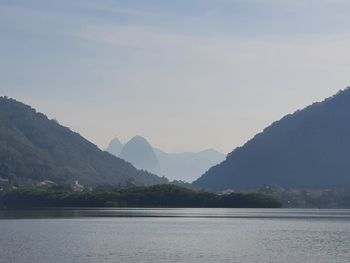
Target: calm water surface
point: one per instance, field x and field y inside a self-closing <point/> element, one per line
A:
<point x="175" y="235"/>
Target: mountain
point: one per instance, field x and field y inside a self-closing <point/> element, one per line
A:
<point x="187" y="166"/>
<point x="34" y="148"/>
<point x="307" y="149"/>
<point x="140" y="153"/>
<point x="115" y="147"/>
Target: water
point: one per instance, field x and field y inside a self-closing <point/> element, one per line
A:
<point x="175" y="235"/>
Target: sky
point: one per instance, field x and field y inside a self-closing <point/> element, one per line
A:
<point x="188" y="74"/>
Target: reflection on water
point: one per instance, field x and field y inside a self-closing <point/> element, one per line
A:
<point x="175" y="235"/>
<point x="177" y="212"/>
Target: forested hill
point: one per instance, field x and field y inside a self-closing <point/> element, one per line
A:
<point x="307" y="149"/>
<point x="34" y="148"/>
<point x="152" y="196"/>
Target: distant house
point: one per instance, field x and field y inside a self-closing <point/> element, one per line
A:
<point x="4" y="183"/>
<point x="227" y="192"/>
<point x="47" y="184"/>
<point x="77" y="187"/>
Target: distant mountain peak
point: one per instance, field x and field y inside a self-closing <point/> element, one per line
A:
<point x="140" y="153"/>
<point x="115" y="140"/>
<point x="186" y="166"/>
<point x="115" y="147"/>
<point x="138" y="139"/>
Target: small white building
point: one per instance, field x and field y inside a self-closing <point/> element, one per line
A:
<point x="77" y="187"/>
<point x="47" y="184"/>
<point x="4" y="183"/>
<point x="227" y="192"/>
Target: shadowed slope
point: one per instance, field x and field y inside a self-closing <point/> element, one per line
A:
<point x="307" y="149"/>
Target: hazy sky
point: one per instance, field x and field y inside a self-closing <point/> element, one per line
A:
<point x="186" y="74"/>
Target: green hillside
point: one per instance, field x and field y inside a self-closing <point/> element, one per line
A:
<point x="34" y="148"/>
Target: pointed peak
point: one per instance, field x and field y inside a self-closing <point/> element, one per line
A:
<point x="140" y="153"/>
<point x="115" y="141"/>
<point x="115" y="147"/>
<point x="138" y="138"/>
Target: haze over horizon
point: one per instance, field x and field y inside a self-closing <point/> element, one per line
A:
<point x="187" y="75"/>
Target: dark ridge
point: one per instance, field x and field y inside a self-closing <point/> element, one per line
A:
<point x="307" y="149"/>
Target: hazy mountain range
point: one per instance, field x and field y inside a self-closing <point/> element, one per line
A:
<point x="34" y="148"/>
<point x="186" y="166"/>
<point x="307" y="149"/>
